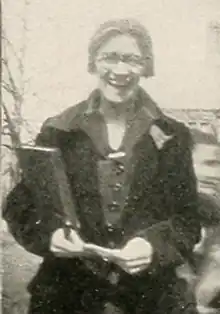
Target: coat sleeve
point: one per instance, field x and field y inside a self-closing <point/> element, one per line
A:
<point x="173" y="239"/>
<point x="31" y="227"/>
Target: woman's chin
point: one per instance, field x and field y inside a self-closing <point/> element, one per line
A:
<point x="117" y="95"/>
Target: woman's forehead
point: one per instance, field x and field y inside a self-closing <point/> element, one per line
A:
<point x="121" y="43"/>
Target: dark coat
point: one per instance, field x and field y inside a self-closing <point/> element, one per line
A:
<point x="159" y="203"/>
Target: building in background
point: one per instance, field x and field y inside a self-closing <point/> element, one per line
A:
<point x="218" y="124"/>
<point x="206" y="120"/>
<point x="202" y="119"/>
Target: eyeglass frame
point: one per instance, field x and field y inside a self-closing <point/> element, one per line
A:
<point x="114" y="58"/>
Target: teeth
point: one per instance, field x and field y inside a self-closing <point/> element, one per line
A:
<point x="114" y="82"/>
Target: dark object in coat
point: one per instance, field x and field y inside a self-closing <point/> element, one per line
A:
<point x="159" y="203"/>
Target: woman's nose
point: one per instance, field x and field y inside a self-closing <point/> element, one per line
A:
<point x="121" y="68"/>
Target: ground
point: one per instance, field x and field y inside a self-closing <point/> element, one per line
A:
<point x="19" y="267"/>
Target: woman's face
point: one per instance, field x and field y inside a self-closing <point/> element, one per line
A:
<point x="119" y="67"/>
<point x="207" y="167"/>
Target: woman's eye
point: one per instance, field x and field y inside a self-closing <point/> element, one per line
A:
<point x="134" y="60"/>
<point x="112" y="58"/>
<point x="109" y="58"/>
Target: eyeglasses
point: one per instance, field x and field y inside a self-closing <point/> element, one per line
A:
<point x="114" y="58"/>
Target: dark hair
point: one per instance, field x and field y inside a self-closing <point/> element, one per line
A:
<point x="131" y="27"/>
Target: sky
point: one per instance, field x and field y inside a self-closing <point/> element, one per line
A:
<point x="57" y="36"/>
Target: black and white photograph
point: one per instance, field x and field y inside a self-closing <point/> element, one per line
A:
<point x="110" y="157"/>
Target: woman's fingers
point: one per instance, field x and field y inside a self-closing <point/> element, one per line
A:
<point x="135" y="270"/>
<point x="137" y="262"/>
<point x="101" y="251"/>
<point x="60" y="246"/>
<point x="67" y="246"/>
<point x="62" y="253"/>
<point x="60" y="242"/>
<point x="134" y="266"/>
<point x="123" y="258"/>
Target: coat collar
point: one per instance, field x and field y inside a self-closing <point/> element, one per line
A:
<point x="145" y="116"/>
<point x="143" y="101"/>
<point x="148" y="119"/>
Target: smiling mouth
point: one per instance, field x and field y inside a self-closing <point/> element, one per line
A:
<point x="119" y="83"/>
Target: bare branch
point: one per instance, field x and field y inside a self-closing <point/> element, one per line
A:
<point x="28" y="127"/>
<point x="12" y="89"/>
<point x="9" y="43"/>
<point x="16" y="88"/>
<point x="5" y="133"/>
<point x="15" y="138"/>
<point x="7" y="146"/>
<point x="8" y="89"/>
<point x="12" y="81"/>
<point x="4" y="127"/>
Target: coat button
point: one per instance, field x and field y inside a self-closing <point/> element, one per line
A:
<point x="120" y="169"/>
<point x="135" y="197"/>
<point x="126" y="201"/>
<point x="113" y="207"/>
<point x="117" y="187"/>
<point x="113" y="278"/>
<point x="110" y="227"/>
<point x="111" y="244"/>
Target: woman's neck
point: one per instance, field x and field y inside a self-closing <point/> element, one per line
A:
<point x="115" y="111"/>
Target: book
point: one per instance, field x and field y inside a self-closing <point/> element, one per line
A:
<point x="44" y="173"/>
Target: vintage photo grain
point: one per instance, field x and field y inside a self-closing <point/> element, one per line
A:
<point x="110" y="157"/>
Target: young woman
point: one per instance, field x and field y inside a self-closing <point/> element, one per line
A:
<point x="131" y="176"/>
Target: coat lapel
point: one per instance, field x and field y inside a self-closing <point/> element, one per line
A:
<point x="146" y="112"/>
<point x="142" y="145"/>
<point x="139" y="146"/>
<point x="92" y="125"/>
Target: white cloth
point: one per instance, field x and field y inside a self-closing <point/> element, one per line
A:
<point x="116" y="132"/>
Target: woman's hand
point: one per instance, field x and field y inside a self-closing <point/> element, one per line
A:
<point x="63" y="246"/>
<point x="135" y="256"/>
